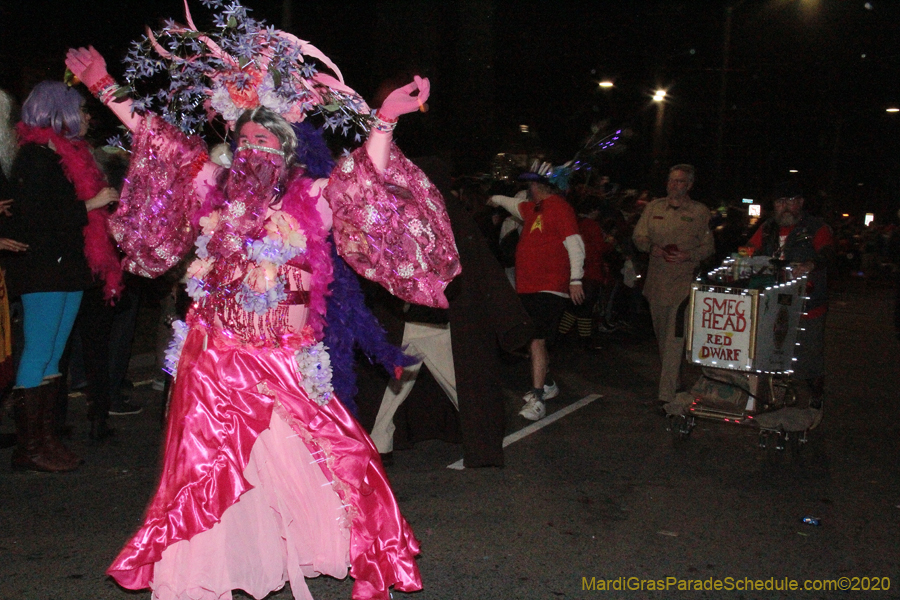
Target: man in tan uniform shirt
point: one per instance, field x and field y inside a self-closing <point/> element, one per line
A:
<point x="675" y="231"/>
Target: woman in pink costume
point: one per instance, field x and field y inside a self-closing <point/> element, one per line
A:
<point x="266" y="477"/>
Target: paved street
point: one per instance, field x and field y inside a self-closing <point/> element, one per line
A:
<point x="603" y="493"/>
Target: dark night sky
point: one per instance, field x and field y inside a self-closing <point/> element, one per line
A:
<point x="807" y="85"/>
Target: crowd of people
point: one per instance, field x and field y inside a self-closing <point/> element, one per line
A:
<point x="644" y="254"/>
<point x="275" y="242"/>
<point x="580" y="256"/>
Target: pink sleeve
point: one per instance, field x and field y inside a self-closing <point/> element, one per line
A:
<point x="153" y="222"/>
<point x="392" y="227"/>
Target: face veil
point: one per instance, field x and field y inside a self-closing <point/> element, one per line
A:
<point x="254" y="182"/>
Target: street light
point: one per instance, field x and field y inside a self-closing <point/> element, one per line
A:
<point x="892" y="110"/>
<point x="606" y="84"/>
<point x="658" y="149"/>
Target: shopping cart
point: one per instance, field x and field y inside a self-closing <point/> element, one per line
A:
<point x="741" y="326"/>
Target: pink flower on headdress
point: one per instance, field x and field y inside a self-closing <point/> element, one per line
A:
<point x="245" y="96"/>
<point x="298" y="111"/>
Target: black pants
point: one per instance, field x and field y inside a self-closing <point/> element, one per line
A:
<point x="94" y="325"/>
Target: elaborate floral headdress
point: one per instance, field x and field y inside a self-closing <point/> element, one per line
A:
<point x="240" y="65"/>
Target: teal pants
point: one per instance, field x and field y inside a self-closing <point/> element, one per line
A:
<point x="48" y="319"/>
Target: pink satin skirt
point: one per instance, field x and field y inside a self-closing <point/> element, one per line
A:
<point x="261" y="485"/>
<point x="292" y="523"/>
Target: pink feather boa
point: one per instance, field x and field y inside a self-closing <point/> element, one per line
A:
<point x="82" y="171"/>
<point x="300" y="204"/>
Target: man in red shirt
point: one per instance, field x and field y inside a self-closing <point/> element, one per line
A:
<point x="806" y="244"/>
<point x="549" y="271"/>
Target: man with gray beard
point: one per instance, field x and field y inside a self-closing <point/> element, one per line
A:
<point x="806" y="244"/>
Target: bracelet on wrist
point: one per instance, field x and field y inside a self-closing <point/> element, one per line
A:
<point x="108" y="93"/>
<point x="379" y="124"/>
<point x="571" y="281"/>
<point x="101" y="85"/>
<point x="384" y="119"/>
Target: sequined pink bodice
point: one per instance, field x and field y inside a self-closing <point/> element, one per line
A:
<point x="224" y="309"/>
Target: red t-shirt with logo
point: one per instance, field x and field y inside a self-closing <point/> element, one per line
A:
<point x="542" y="262"/>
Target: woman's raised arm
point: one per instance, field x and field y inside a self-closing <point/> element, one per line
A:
<point x="89" y="66"/>
<point x="409" y="98"/>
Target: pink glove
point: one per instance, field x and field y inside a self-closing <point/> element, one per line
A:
<point x="88" y="66"/>
<point x="402" y="100"/>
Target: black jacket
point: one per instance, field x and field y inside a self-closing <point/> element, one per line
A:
<point x="48" y="216"/>
<point x="798" y="248"/>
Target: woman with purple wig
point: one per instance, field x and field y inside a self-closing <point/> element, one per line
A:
<point x="56" y="185"/>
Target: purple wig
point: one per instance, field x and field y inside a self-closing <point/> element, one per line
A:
<point x="54" y="104"/>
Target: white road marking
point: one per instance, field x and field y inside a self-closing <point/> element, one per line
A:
<point x="537" y="425"/>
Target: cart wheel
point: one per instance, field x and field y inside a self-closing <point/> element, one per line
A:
<point x="673" y="423"/>
<point x="773" y="450"/>
<point x="782" y="447"/>
<point x="796" y="443"/>
<point x="688" y="426"/>
<point x="791" y="448"/>
<point x="681" y="426"/>
<point x="781" y="441"/>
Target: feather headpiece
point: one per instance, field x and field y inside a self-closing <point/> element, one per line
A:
<point x="239" y="65"/>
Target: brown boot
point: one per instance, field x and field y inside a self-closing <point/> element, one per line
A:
<point x="49" y="391"/>
<point x="31" y="454"/>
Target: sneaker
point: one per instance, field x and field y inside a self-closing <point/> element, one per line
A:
<point x="125" y="407"/>
<point x="605" y="327"/>
<point x="534" y="409"/>
<point x="550" y="391"/>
